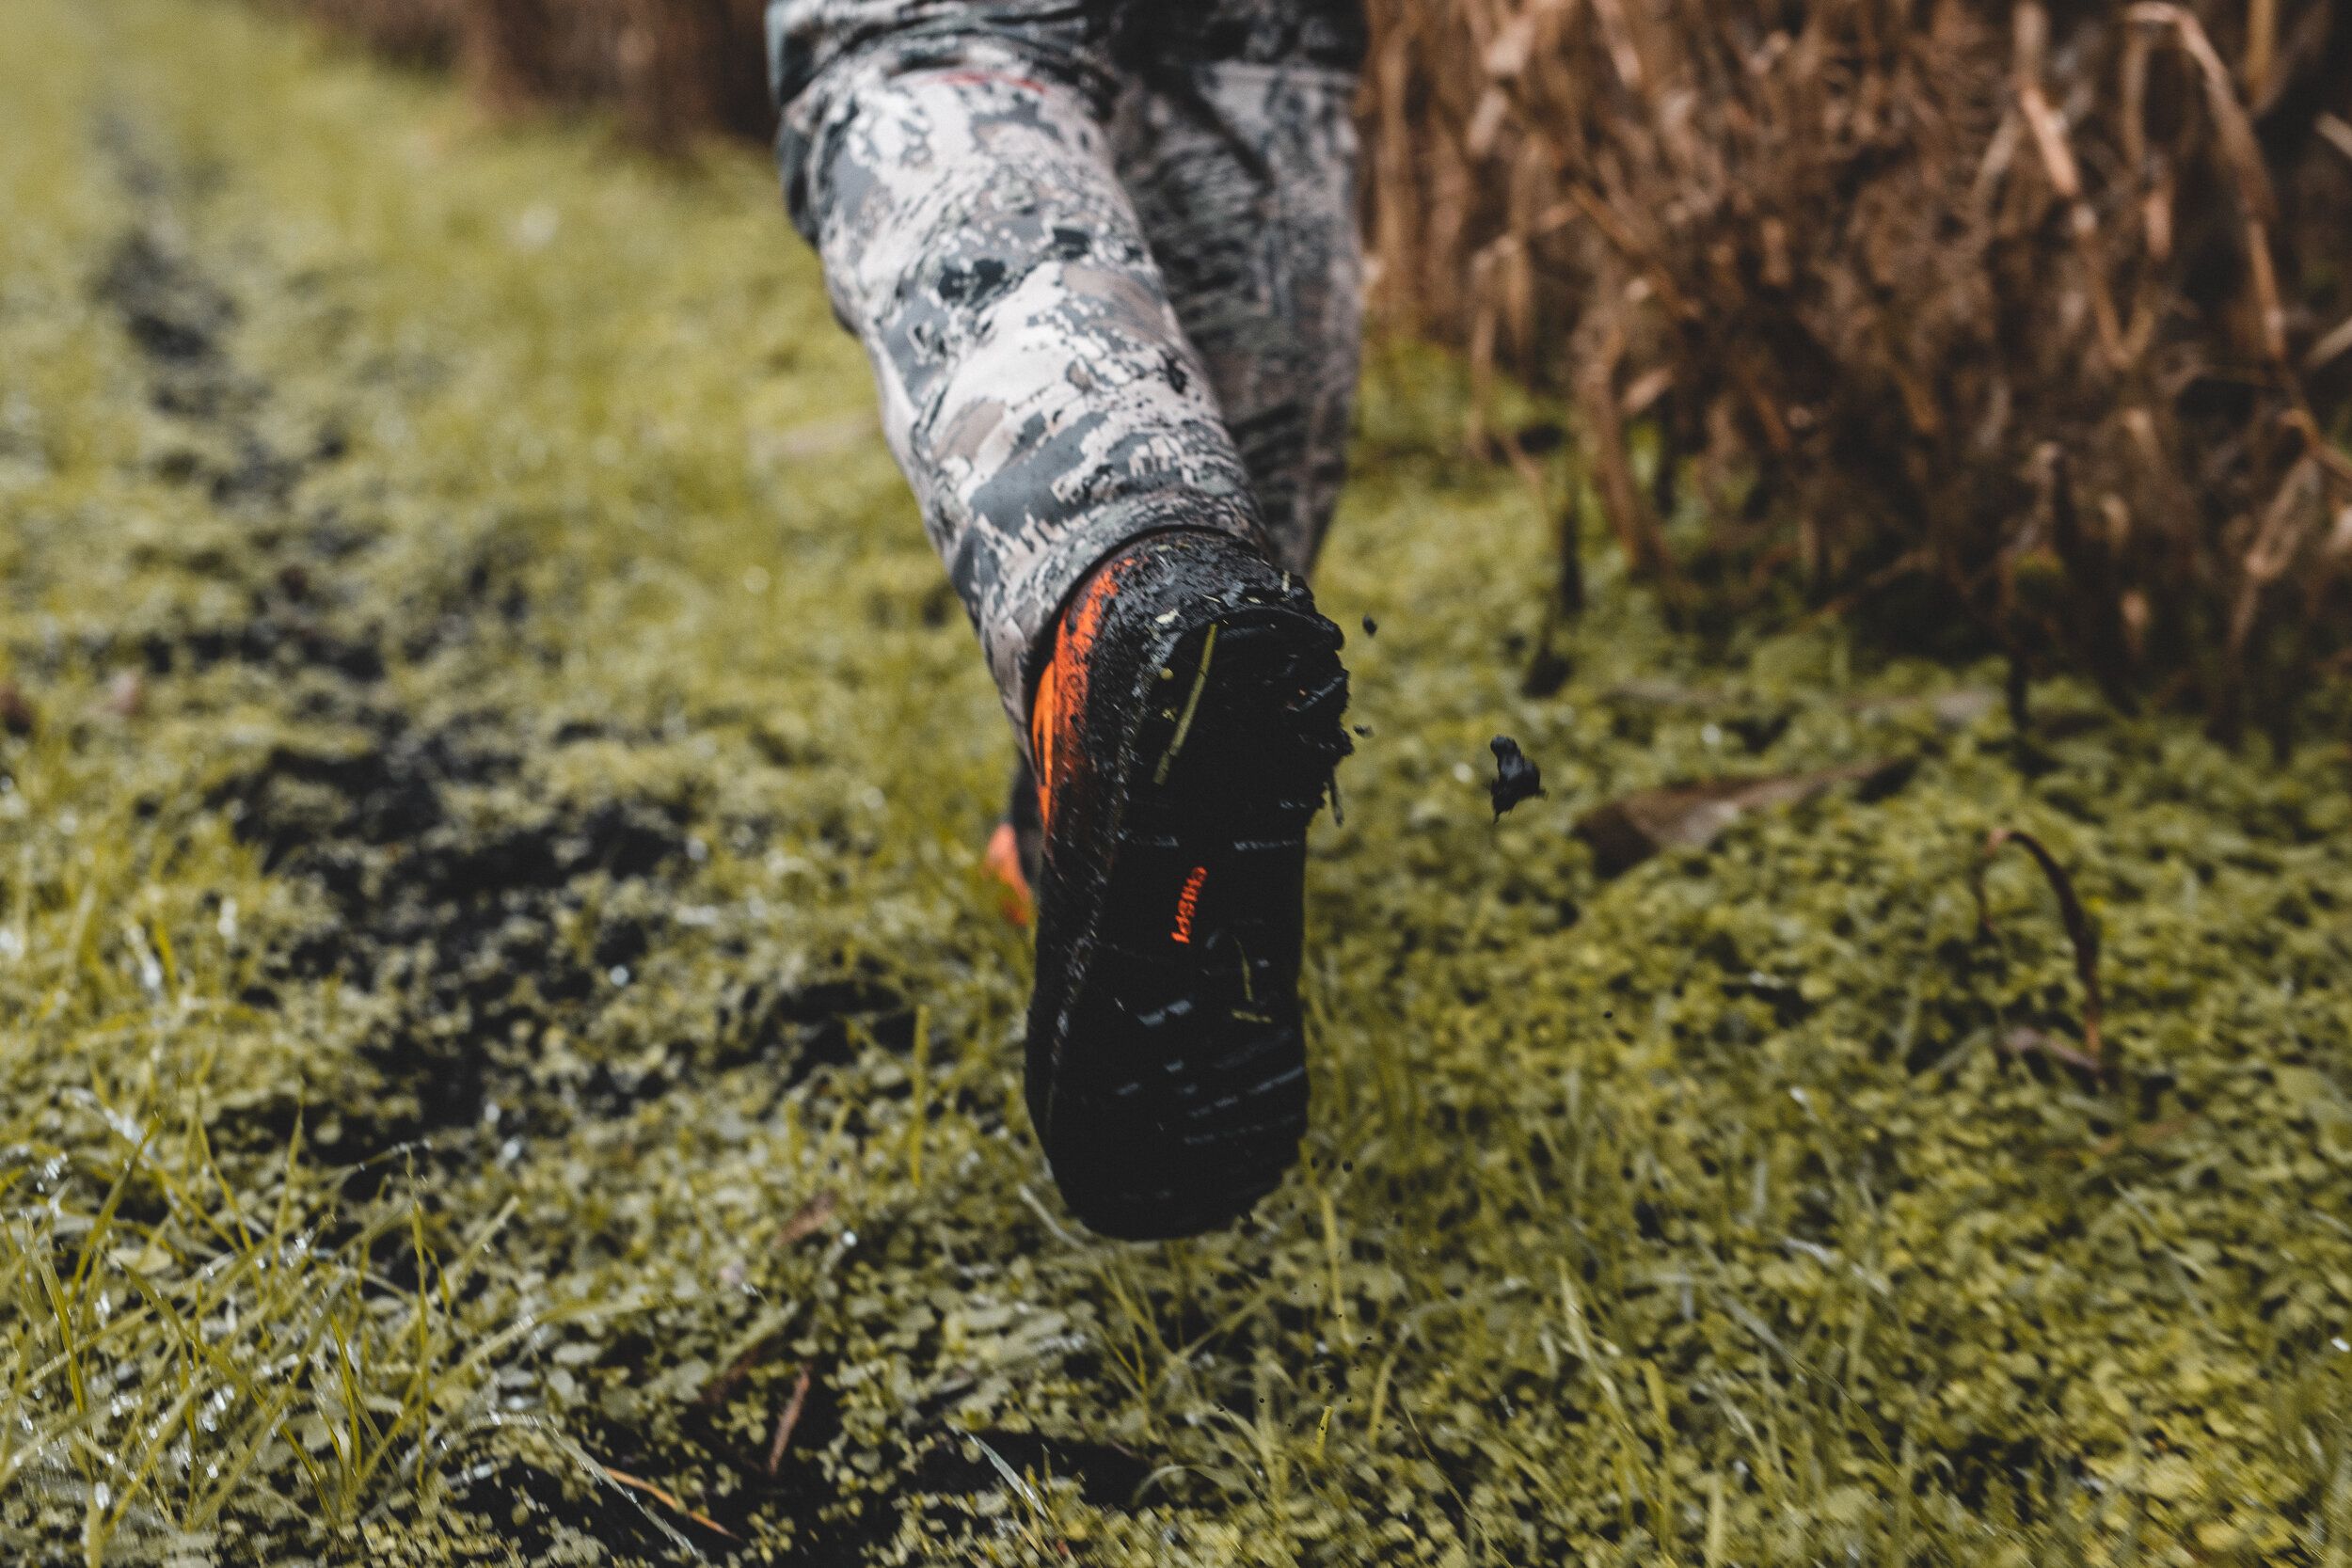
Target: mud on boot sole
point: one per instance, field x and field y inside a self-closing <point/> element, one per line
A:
<point x="1177" y="1095"/>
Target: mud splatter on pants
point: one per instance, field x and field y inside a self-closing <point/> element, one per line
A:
<point x="1103" y="258"/>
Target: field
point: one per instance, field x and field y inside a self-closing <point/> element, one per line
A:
<point x="507" y="1054"/>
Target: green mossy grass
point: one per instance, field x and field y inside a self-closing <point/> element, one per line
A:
<point x="498" y="1006"/>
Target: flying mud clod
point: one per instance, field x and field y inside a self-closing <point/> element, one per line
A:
<point x="1516" y="778"/>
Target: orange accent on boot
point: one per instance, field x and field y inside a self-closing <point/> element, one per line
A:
<point x="1059" y="704"/>
<point x="1044" y="722"/>
<point x="1003" y="860"/>
<point x="1187" y="904"/>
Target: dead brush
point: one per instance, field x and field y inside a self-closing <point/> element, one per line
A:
<point x="673" y="68"/>
<point x="2042" y="308"/>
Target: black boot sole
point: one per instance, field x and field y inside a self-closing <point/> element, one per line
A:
<point x="1167" y="1071"/>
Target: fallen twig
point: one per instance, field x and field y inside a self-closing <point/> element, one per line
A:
<point x="2148" y="1137"/>
<point x="738" y="1369"/>
<point x="2026" y="1040"/>
<point x="1039" y="1210"/>
<point x="667" y="1499"/>
<point x="786" y="1423"/>
<point x="809" y="1218"/>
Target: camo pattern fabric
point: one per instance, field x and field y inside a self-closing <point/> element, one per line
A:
<point x="1103" y="258"/>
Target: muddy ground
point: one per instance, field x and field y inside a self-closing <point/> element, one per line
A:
<point x="507" y="1054"/>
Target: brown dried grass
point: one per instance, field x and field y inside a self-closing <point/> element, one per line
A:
<point x="673" y="69"/>
<point x="2033" y="318"/>
<point x="2038" y="309"/>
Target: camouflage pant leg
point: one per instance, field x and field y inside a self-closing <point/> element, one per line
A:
<point x="955" y="165"/>
<point x="1244" y="174"/>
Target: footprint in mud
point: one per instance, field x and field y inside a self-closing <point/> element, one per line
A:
<point x="180" y="319"/>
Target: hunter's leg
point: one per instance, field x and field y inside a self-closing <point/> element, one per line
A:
<point x="1180" y="696"/>
<point x="1237" y="144"/>
<point x="1036" y="386"/>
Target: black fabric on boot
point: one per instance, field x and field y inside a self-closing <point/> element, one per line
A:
<point x="1028" y="833"/>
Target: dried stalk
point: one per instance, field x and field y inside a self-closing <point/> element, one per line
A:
<point x="2080" y="931"/>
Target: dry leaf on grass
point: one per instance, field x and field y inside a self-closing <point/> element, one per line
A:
<point x="809" y="1218"/>
<point x="1628" y="831"/>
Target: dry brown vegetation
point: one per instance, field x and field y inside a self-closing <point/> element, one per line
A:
<point x="672" y="68"/>
<point x="2042" y="309"/>
<point x="2027" y="320"/>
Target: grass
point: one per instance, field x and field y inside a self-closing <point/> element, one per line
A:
<point x="507" y="1054"/>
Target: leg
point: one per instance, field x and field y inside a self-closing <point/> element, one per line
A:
<point x="1237" y="144"/>
<point x="1036" y="386"/>
<point x="1180" y="696"/>
<point x="1236" y="139"/>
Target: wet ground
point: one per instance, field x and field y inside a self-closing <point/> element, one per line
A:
<point x="507" y="1054"/>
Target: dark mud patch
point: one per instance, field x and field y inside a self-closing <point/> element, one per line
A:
<point x="728" y="1445"/>
<point x="265" y="641"/>
<point x="490" y="926"/>
<point x="458" y="917"/>
<point x="541" y="1516"/>
<point x="1108" y="1476"/>
<point x="182" y="320"/>
<point x="482" y="594"/>
<point x="799" y="1502"/>
<point x="484" y="922"/>
<point x="821" y="1023"/>
<point x="174" y="314"/>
